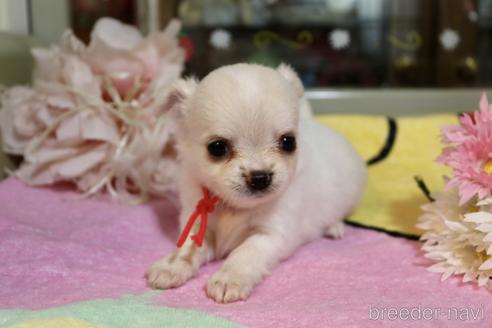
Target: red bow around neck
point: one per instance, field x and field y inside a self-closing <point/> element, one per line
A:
<point x="204" y="206"/>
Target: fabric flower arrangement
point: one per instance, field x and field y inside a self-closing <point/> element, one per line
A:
<point x="95" y="113"/>
<point x="458" y="223"/>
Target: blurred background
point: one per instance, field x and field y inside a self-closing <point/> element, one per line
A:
<point x="342" y="49"/>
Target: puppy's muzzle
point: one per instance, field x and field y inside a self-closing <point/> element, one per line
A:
<point x="259" y="180"/>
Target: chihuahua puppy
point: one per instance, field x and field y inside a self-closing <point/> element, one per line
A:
<point x="283" y="179"/>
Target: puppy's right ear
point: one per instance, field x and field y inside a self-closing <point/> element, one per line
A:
<point x="180" y="92"/>
<point x="291" y="76"/>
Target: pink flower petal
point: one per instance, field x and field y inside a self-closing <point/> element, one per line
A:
<point x="88" y="125"/>
<point x="484" y="103"/>
<point x="78" y="165"/>
<point x="36" y="175"/>
<point x="115" y="34"/>
<point x="46" y="155"/>
<point x="96" y="127"/>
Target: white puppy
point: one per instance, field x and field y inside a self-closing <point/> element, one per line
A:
<point x="283" y="179"/>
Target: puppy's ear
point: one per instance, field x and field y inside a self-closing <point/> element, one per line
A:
<point x="180" y="92"/>
<point x="291" y="76"/>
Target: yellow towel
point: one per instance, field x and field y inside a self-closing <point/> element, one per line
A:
<point x="392" y="199"/>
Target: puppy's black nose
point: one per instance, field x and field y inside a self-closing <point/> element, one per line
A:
<point x="259" y="180"/>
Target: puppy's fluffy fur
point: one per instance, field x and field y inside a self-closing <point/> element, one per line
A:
<point x="312" y="189"/>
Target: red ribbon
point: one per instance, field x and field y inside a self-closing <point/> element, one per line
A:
<point x="204" y="206"/>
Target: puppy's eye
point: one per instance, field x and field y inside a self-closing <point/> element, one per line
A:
<point x="287" y="143"/>
<point x="218" y="148"/>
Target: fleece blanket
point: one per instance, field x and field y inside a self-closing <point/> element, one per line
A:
<point x="67" y="263"/>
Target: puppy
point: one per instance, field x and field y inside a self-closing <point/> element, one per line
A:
<point x="282" y="178"/>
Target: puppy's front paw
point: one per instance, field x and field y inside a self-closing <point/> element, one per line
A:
<point x="165" y="273"/>
<point x="227" y="286"/>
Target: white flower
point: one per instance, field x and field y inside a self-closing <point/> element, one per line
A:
<point x="449" y="39"/>
<point x="458" y="239"/>
<point x="339" y="38"/>
<point x="221" y="39"/>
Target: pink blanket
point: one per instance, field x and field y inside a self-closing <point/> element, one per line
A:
<point x="55" y="251"/>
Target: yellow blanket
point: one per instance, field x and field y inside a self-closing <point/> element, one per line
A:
<point x="392" y="200"/>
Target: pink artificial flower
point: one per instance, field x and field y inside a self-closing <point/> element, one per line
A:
<point x="94" y="114"/>
<point x="469" y="153"/>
